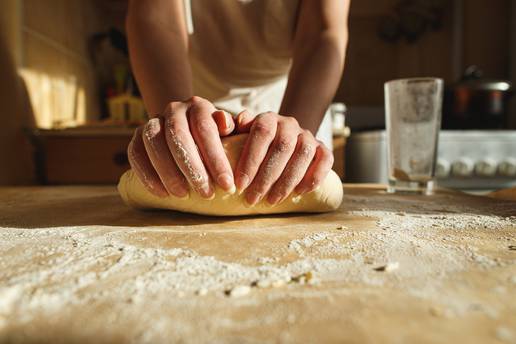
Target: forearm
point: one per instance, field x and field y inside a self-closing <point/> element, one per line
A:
<point x="158" y="50"/>
<point x="313" y="80"/>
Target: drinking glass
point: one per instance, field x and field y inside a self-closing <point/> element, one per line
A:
<point x="413" y="119"/>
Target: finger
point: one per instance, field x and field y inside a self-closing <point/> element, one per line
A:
<point x="224" y="121"/>
<point x="317" y="171"/>
<point x="255" y="149"/>
<point x="161" y="158"/>
<point x="279" y="154"/>
<point x="296" y="168"/>
<point x="206" y="135"/>
<point x="142" y="166"/>
<point x="182" y="146"/>
<point x="244" y="121"/>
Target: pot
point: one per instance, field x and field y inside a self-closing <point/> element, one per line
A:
<point x="476" y="103"/>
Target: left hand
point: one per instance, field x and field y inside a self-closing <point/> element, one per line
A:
<point x="278" y="158"/>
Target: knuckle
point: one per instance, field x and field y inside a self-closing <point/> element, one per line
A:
<point x="306" y="145"/>
<point x="268" y="115"/>
<point x="195" y="100"/>
<point x="283" y="143"/>
<point x="262" y="128"/>
<point x="306" y="150"/>
<point x="151" y="129"/>
<point x="198" y="104"/>
<point x="308" y="135"/>
<point x="289" y="120"/>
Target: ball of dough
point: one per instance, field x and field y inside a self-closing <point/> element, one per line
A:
<point x="327" y="197"/>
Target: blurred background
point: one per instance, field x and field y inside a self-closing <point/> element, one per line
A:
<point x="70" y="104"/>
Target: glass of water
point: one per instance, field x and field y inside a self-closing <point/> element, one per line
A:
<point x="413" y="119"/>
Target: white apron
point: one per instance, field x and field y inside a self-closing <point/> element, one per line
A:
<point x="241" y="52"/>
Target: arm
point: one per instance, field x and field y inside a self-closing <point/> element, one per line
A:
<point x="318" y="60"/>
<point x="180" y="148"/>
<point x="282" y="156"/>
<point x="158" y="47"/>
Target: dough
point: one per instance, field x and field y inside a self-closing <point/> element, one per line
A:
<point x="326" y="197"/>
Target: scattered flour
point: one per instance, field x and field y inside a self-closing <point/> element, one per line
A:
<point x="400" y="221"/>
<point x="51" y="269"/>
<point x="239" y="291"/>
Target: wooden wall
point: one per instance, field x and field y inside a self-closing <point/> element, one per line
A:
<point x="47" y="77"/>
<point x="487" y="36"/>
<point x="371" y="61"/>
<point x="56" y="62"/>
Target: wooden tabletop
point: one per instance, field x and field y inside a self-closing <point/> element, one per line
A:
<point x="77" y="265"/>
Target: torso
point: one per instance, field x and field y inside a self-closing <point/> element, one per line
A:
<point x="240" y="44"/>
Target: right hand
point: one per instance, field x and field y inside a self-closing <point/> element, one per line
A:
<point x="164" y="155"/>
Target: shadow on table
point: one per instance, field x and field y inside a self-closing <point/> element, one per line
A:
<point x="109" y="210"/>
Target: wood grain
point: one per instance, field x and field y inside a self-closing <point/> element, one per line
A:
<point x="73" y="258"/>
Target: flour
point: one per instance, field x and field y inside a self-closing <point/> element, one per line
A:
<point x="239" y="291"/>
<point x="401" y="221"/>
<point x="423" y="226"/>
<point x="301" y="245"/>
<point x="48" y="271"/>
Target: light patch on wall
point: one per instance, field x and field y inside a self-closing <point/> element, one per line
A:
<point x="57" y="100"/>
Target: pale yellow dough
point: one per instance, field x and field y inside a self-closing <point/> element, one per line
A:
<point x="326" y="197"/>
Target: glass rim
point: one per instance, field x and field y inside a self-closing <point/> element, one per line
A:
<point x="415" y="80"/>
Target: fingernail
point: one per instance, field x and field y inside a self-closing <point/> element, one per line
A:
<point x="226" y="181"/>
<point x="206" y="191"/>
<point x="313" y="187"/>
<point x="242" y="182"/>
<point x="274" y="199"/>
<point x="180" y="192"/>
<point x="301" y="190"/>
<point x="227" y="121"/>
<point x="161" y="193"/>
<point x="253" y="197"/>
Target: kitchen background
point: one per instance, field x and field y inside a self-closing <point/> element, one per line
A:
<point x="63" y="64"/>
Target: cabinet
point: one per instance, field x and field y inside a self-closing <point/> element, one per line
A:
<point x="81" y="156"/>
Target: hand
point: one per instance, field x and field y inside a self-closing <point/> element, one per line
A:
<point x="182" y="147"/>
<point x="279" y="157"/>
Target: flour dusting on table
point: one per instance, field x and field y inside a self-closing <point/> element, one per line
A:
<point x="411" y="250"/>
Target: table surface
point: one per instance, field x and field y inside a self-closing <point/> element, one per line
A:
<point x="77" y="265"/>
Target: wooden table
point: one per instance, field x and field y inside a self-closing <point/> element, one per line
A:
<point x="76" y="265"/>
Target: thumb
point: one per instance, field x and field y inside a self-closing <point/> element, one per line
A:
<point x="225" y="122"/>
<point x="244" y="120"/>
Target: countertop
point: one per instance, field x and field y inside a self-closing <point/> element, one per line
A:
<point x="77" y="265"/>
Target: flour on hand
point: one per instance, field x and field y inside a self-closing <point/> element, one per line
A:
<point x="327" y="197"/>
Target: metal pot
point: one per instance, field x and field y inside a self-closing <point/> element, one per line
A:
<point x="476" y="103"/>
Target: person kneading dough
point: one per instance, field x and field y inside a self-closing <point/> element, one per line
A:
<point x="238" y="93"/>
